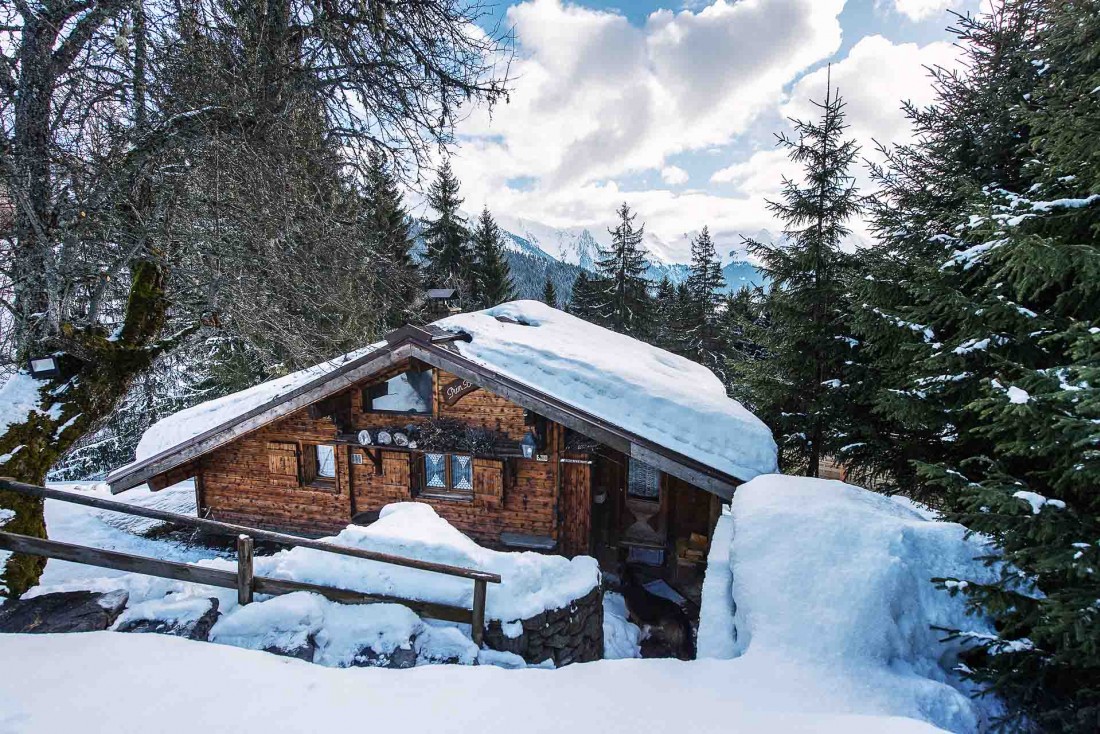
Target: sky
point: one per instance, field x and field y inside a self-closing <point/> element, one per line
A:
<point x="673" y="106"/>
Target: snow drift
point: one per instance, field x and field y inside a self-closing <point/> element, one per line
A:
<point x="838" y="578"/>
<point x="530" y="584"/>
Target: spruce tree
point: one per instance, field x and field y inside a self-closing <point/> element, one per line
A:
<point x="798" y="387"/>
<point x="706" y="285"/>
<point x="624" y="292"/>
<point x="491" y="281"/>
<point x="550" y="293"/>
<point x="390" y="242"/>
<point x="666" y="310"/>
<point x="969" y="138"/>
<point x="1019" y="339"/>
<point x="584" y="299"/>
<point x="449" y="255"/>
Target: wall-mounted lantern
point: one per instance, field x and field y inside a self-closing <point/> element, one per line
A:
<point x="43" y="368"/>
<point x="529" y="444"/>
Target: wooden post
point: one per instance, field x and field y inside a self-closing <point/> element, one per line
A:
<point x="477" y="623"/>
<point x="244" y="569"/>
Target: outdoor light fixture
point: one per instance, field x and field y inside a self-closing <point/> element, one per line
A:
<point x="43" y="368"/>
<point x="529" y="444"/>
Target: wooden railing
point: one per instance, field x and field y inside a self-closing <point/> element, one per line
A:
<point x="244" y="580"/>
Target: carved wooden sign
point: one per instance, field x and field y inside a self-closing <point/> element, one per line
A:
<point x="453" y="391"/>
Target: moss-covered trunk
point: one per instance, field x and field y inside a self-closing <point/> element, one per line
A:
<point x="96" y="373"/>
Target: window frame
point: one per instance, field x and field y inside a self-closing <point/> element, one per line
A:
<point x="640" y="497"/>
<point x="368" y="397"/>
<point x="450" y="492"/>
<point x="310" y="478"/>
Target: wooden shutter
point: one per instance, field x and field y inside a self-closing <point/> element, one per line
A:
<point x="395" y="470"/>
<point x="489" y="482"/>
<point x="283" y="460"/>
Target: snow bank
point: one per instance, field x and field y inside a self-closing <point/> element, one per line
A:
<point x="175" y="686"/>
<point x="531" y="583"/>
<point x="829" y="575"/>
<point x="655" y="394"/>
<point x="717" y="637"/>
<point x="621" y="637"/>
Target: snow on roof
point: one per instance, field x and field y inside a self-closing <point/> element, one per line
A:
<point x="661" y="397"/>
<point x="179" y="427"/>
<point x="655" y="394"/>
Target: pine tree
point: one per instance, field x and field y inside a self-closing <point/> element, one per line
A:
<point x="584" y="302"/>
<point x="550" y="293"/>
<point x="706" y="285"/>
<point x="666" y="311"/>
<point x="491" y="282"/>
<point x="798" y="386"/>
<point x="624" y="292"/>
<point x="968" y="139"/>
<point x="1018" y="337"/>
<point x="449" y="258"/>
<point x="391" y="242"/>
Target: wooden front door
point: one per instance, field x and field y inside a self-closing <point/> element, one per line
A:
<point x="643" y="519"/>
<point x="576" y="507"/>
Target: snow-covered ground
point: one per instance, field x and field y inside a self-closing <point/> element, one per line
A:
<point x="818" y="616"/>
<point x="531" y="583"/>
<point x="125" y="683"/>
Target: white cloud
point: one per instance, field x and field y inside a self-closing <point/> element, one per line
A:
<point x="596" y="97"/>
<point x="597" y="100"/>
<point x="917" y="10"/>
<point x="674" y="175"/>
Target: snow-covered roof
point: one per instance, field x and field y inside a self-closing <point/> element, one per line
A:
<point x="655" y="395"/>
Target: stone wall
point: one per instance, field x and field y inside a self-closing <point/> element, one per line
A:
<point x="572" y="634"/>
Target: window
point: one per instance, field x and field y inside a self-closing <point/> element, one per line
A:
<point x="448" y="474"/>
<point x="644" y="481"/>
<point x="326" y="462"/>
<point x="319" y="465"/>
<point x="409" y="392"/>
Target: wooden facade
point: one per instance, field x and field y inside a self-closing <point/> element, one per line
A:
<point x="563" y="499"/>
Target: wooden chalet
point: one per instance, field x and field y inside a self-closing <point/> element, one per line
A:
<point x="572" y="440"/>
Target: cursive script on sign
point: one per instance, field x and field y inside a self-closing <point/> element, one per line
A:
<point x="453" y="391"/>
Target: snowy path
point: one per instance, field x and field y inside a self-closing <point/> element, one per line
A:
<point x="172" y="686"/>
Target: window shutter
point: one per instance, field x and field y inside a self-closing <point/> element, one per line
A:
<point x="395" y="469"/>
<point x="489" y="482"/>
<point x="282" y="459"/>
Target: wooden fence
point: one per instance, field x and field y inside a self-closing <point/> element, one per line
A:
<point x="244" y="580"/>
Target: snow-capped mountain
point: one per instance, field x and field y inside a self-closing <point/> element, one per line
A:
<point x="539" y="251"/>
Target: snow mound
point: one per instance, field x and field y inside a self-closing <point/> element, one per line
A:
<point x="531" y="583"/>
<point x="655" y="394"/>
<point x="621" y="637"/>
<point x="338" y="635"/>
<point x="825" y="574"/>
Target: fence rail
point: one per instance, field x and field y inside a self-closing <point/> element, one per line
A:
<point x="243" y="580"/>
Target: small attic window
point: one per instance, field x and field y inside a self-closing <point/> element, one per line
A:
<point x="409" y="392"/>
